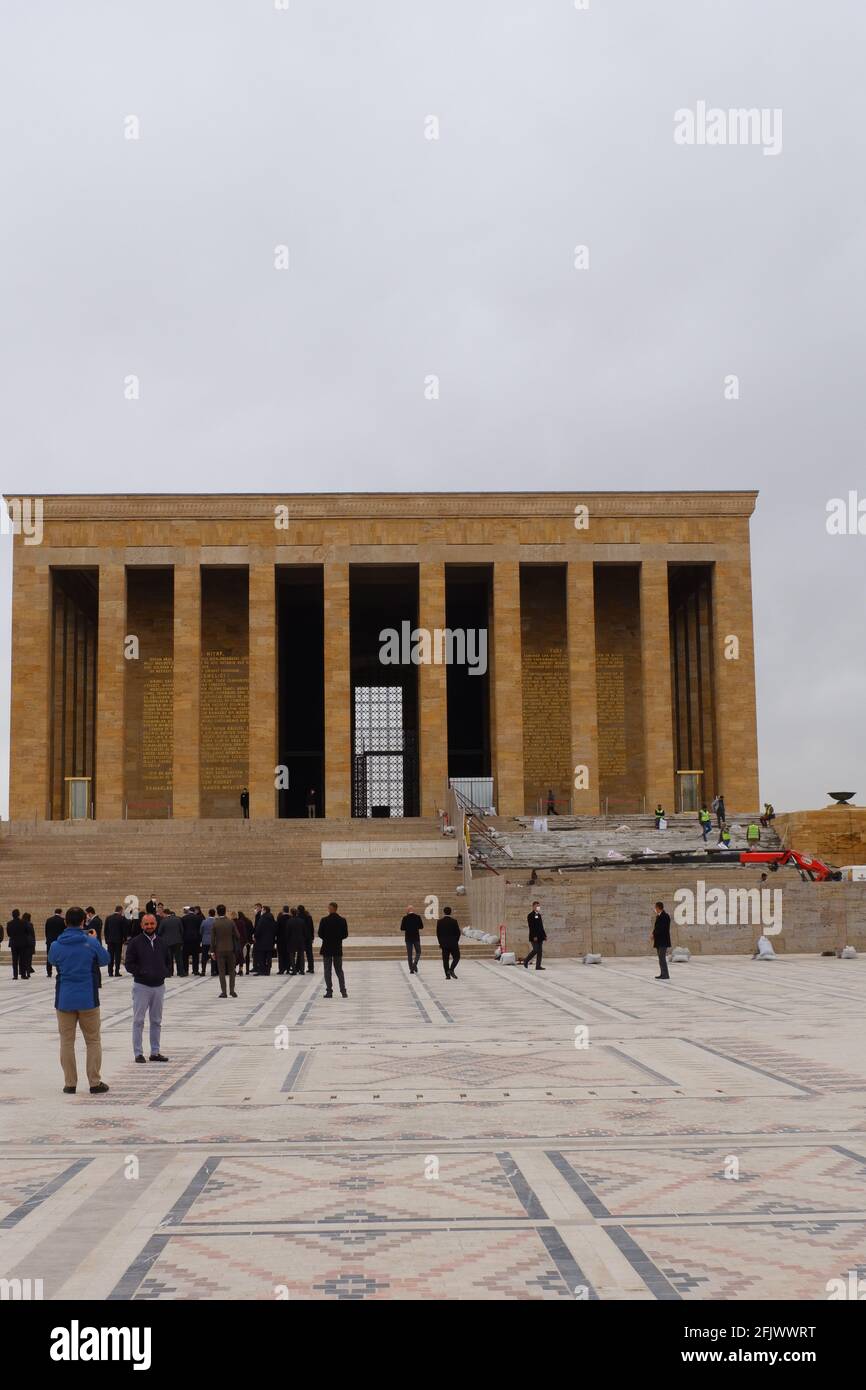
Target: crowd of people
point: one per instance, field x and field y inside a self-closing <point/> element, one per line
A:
<point x="156" y="943"/>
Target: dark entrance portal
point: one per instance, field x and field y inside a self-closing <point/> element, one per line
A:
<point x="301" y="629"/>
<point x="467" y="607"/>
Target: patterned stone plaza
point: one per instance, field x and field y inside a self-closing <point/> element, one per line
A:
<point x="427" y="1139"/>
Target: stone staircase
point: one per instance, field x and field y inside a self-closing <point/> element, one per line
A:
<point x="236" y="862"/>
<point x="581" y="839"/>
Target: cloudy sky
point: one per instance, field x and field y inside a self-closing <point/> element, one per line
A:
<point x="409" y="256"/>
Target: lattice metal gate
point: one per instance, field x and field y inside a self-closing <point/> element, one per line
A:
<point x="385" y="755"/>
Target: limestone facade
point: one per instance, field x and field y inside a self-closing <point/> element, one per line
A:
<point x="602" y="642"/>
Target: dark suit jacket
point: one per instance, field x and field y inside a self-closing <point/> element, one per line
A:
<point x="447" y="931"/>
<point x="53" y="927"/>
<point x="536" y="926"/>
<point x="662" y="930"/>
<point x="265" y="932"/>
<point x="333" y="931"/>
<point x="116" y="928"/>
<point x="412" y="925"/>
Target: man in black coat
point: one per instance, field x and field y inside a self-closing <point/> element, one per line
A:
<point x="412" y="927"/>
<point x="93" y="922"/>
<point x="296" y="932"/>
<point x="54" y="925"/>
<point x="190" y="924"/>
<point x="170" y="930"/>
<point x="264" y="935"/>
<point x="245" y="804"/>
<point x="448" y="936"/>
<point x="537" y="936"/>
<point x="19" y="939"/>
<point x="333" y="931"/>
<point x="309" y="935"/>
<point x="283" y="957"/>
<point x="661" y="939"/>
<point x="116" y="932"/>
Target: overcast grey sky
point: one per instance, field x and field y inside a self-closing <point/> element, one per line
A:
<point x="410" y="256"/>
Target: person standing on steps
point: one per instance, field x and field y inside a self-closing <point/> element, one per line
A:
<point x="224" y="942"/>
<point x="53" y="928"/>
<point x="149" y="962"/>
<point x="77" y="956"/>
<point x="412" y="927"/>
<point x="448" y="936"/>
<point x="661" y="939"/>
<point x="333" y="931"/>
<point x="245" y="804"/>
<point x="537" y="937"/>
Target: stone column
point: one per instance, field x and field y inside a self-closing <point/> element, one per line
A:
<point x="338" y="694"/>
<point x="656" y="680"/>
<point x="507" y="690"/>
<point x="31" y="685"/>
<point x="734" y="686"/>
<point x="432" y="693"/>
<point x="262" y="691"/>
<point x="110" y="693"/>
<point x="187" y="687"/>
<point x="582" y="683"/>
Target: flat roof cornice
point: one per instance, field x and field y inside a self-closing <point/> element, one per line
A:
<point x="394" y="505"/>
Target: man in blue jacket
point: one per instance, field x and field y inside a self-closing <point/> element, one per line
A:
<point x="77" y="956"/>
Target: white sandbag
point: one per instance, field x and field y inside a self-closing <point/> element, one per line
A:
<point x="508" y="958"/>
<point x="848" y="953"/>
<point x="591" y="958"/>
<point x="615" y="854"/>
<point x="662" y="825"/>
<point x="460" y="890"/>
<point x="681" y="953"/>
<point x="488" y="938"/>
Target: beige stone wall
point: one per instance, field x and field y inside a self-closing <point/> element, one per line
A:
<point x="636" y="529"/>
<point x="612" y="913"/>
<point x="836" y="834"/>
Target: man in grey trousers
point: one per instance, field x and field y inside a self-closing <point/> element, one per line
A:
<point x="148" y="961"/>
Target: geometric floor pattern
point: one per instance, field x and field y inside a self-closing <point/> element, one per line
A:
<point x="592" y="1135"/>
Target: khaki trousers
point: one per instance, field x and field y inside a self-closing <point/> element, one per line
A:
<point x="88" y="1021"/>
